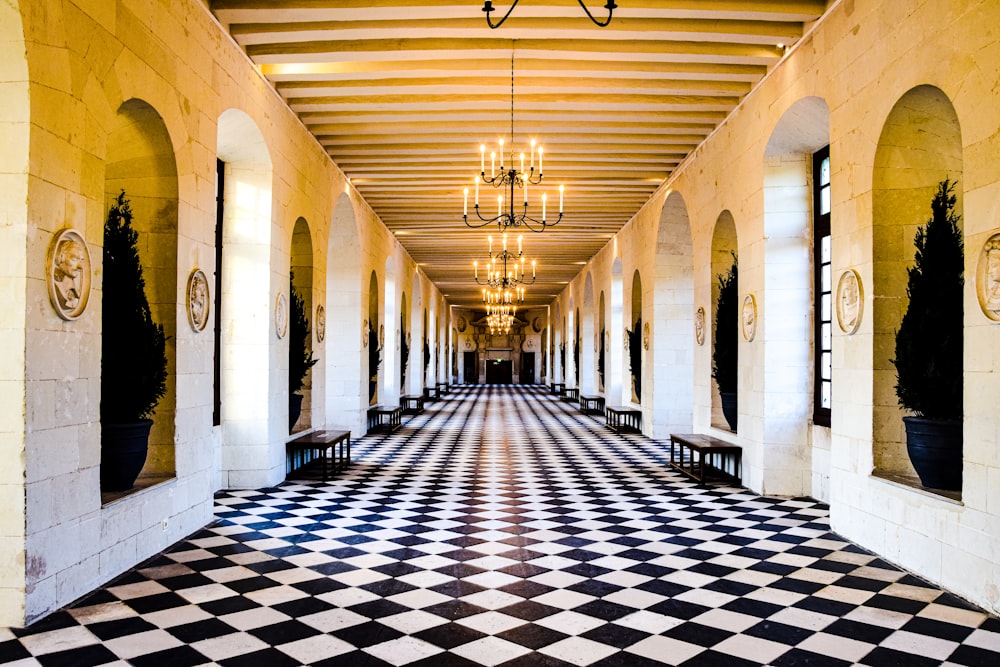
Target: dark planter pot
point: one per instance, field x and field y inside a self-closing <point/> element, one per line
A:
<point x="935" y="449"/>
<point x="123" y="453"/>
<point x="294" y="410"/>
<point x="729" y="409"/>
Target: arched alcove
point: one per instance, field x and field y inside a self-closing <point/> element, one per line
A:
<point x="404" y="343"/>
<point x="670" y="356"/>
<point x="346" y="342"/>
<point x="616" y="374"/>
<point x="301" y="279"/>
<point x="603" y="342"/>
<point x="140" y="161"/>
<point x="246" y="310"/>
<point x="389" y="371"/>
<point x="724" y="250"/>
<point x="635" y="354"/>
<point x="588" y="340"/>
<point x="920" y="146"/>
<point x="375" y="335"/>
<point x="787" y="326"/>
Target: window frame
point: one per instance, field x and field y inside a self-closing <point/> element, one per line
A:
<point x="821" y="229"/>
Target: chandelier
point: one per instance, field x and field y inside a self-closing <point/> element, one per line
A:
<point x="501" y="308"/>
<point x="488" y="8"/>
<point x="508" y="179"/>
<point x="499" y="276"/>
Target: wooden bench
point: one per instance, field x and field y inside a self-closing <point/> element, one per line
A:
<point x="384" y="419"/>
<point x="592" y="405"/>
<point x="431" y="394"/>
<point x="571" y="394"/>
<point x="412" y="404"/>
<point x="708" y="449"/>
<point x="621" y="418"/>
<point x="318" y="443"/>
<point x="558" y="387"/>
<point x="442" y="389"/>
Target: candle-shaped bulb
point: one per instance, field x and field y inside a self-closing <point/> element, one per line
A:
<point x="540" y="161"/>
<point x="561" y="189"/>
<point x="501" y="155"/>
<point x="465" y="207"/>
<point x="532" y="155"/>
<point x="505" y="241"/>
<point x="489" y="240"/>
<point x="477" y="192"/>
<point x="544" y="199"/>
<point x="493" y="162"/>
<point x="520" y="238"/>
<point x="482" y="158"/>
<point x="532" y="268"/>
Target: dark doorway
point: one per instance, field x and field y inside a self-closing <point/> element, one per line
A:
<point x="527" y="368"/>
<point x="499" y="371"/>
<point x="471" y="368"/>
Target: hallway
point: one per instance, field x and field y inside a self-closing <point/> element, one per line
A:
<point x="501" y="526"/>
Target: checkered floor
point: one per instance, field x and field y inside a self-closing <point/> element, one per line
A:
<point x="502" y="527"/>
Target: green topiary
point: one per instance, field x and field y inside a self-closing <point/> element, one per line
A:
<point x="724" y="353"/>
<point x="133" y="346"/>
<point x="300" y="356"/>
<point x="635" y="356"/>
<point x="929" y="341"/>
<point x="404" y="352"/>
<point x="600" y="359"/>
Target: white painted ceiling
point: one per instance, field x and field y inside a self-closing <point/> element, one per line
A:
<point x="401" y="93"/>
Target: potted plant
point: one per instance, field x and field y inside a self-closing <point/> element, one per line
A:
<point x="929" y="347"/>
<point x="404" y="352"/>
<point x="374" y="359"/>
<point x="634" y="338"/>
<point x="133" y="355"/>
<point x="724" y="353"/>
<point x="600" y="360"/>
<point x="300" y="356"/>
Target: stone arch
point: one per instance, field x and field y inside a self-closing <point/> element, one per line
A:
<point x="588" y="367"/>
<point x="725" y="246"/>
<point x="346" y="343"/>
<point x="671" y="353"/>
<point x="615" y="372"/>
<point x="919" y="146"/>
<point x="246" y="307"/>
<point x="786" y="323"/>
<point x="389" y="371"/>
<point x="635" y="321"/>
<point x="301" y="278"/>
<point x="603" y="343"/>
<point x="374" y="340"/>
<point x="140" y="160"/>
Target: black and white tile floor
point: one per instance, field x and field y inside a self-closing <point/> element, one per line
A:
<point x="502" y="527"/>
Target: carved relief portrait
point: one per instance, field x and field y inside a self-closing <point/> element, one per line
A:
<point x="748" y="317"/>
<point x="320" y="323"/>
<point x="850" y="301"/>
<point x="699" y="326"/>
<point x="68" y="273"/>
<point x="281" y="315"/>
<point x="988" y="278"/>
<point x="197" y="300"/>
<point x="645" y="335"/>
<point x="462" y="324"/>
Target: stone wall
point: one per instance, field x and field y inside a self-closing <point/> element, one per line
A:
<point x="841" y="85"/>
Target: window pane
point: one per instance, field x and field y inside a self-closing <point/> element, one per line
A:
<point x="826" y="336"/>
<point x="825" y="281"/>
<point x="824" y="308"/>
<point x="825" y="395"/>
<point x="824" y="249"/>
<point x="825" y="367"/>
<point x="824" y="200"/>
<point x="824" y="171"/>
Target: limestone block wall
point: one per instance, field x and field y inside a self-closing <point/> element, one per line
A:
<point x="839" y="85"/>
<point x="72" y="68"/>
